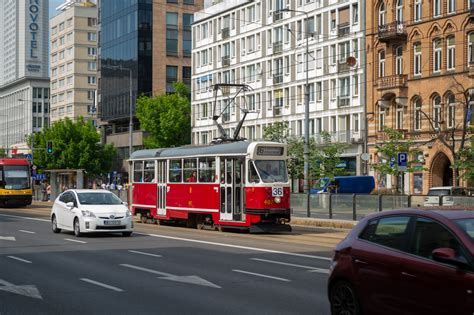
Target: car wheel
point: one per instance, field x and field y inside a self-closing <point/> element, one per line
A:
<point x="126" y="234"/>
<point x="77" y="228"/>
<point x="54" y="225"/>
<point x="343" y="299"/>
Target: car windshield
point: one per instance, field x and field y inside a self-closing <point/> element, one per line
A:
<point x="272" y="171"/>
<point x="468" y="227"/>
<point x="98" y="198"/>
<point x="438" y="192"/>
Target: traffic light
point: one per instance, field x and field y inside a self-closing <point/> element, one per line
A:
<point x="49" y="147"/>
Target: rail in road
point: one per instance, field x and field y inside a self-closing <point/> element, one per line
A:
<point x="158" y="269"/>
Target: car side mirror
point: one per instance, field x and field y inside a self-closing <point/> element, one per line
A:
<point x="125" y="203"/>
<point x="448" y="256"/>
<point x="70" y="205"/>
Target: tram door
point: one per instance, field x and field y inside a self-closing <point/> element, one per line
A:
<point x="232" y="172"/>
<point x="161" y="198"/>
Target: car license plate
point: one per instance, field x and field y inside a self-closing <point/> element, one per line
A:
<point x="277" y="191"/>
<point x="112" y="222"/>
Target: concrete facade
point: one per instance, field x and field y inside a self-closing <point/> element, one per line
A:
<point x="420" y="82"/>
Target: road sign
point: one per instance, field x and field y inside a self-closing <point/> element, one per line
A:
<point x="402" y="161"/>
<point x="392" y="162"/>
<point x="29" y="157"/>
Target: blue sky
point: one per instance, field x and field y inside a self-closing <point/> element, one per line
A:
<point x="53" y="4"/>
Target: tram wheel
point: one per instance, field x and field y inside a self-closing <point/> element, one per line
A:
<point x="143" y="218"/>
<point x="200" y="226"/>
<point x="219" y="228"/>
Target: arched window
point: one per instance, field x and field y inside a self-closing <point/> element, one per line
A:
<point x="450" y="53"/>
<point x="399" y="10"/>
<point x="381" y="63"/>
<point x="450" y="110"/>
<point x="436" y="101"/>
<point x="417" y="114"/>
<point x="399" y="60"/>
<point x="437" y="51"/>
<point x="382" y="14"/>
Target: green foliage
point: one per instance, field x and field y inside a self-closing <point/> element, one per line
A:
<point x="76" y="145"/>
<point x="327" y="157"/>
<point x="466" y="160"/>
<point x="277" y="132"/>
<point x="388" y="151"/>
<point x="166" y="118"/>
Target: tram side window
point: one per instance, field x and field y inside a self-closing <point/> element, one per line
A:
<point x="175" y="171"/>
<point x="190" y="170"/>
<point x="149" y="172"/>
<point x="207" y="170"/>
<point x="137" y="171"/>
<point x="253" y="175"/>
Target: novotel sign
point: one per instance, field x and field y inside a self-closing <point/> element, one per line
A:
<point x="33" y="27"/>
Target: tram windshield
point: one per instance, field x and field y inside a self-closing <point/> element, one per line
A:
<point x="14" y="177"/>
<point x="272" y="171"/>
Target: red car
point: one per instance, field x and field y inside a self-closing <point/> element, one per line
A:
<point x="405" y="262"/>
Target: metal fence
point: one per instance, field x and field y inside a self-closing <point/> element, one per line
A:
<point x="356" y="206"/>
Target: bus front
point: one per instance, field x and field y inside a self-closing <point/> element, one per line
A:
<point x="15" y="182"/>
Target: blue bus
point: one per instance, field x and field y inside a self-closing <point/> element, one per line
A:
<point x="345" y="185"/>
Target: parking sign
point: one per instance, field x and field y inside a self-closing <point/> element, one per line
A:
<point x="402" y="161"/>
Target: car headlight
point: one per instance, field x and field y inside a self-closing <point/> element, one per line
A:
<point x="87" y="213"/>
<point x="128" y="213"/>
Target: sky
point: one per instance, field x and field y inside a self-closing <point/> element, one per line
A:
<point x="53" y="4"/>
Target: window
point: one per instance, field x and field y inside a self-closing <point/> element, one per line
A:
<point x="437" y="50"/>
<point x="417" y="114"/>
<point x="61" y="26"/>
<point x="187" y="77"/>
<point x="470" y="48"/>
<point x="451" y="101"/>
<point x="333" y="89"/>
<point x="417" y="14"/>
<point x="207" y="169"/>
<point x="451" y="6"/>
<point x="390" y="231"/>
<point x="399" y="60"/>
<point x="399" y="117"/>
<point x="436" y="8"/>
<point x="355" y="122"/>
<point x="334" y="54"/>
<point x="90" y="94"/>
<point x="91" y="21"/>
<point x="355" y="85"/>
<point x="91" y="79"/>
<point x="91" y="36"/>
<point x="171" y="78"/>
<point x="175" y="173"/>
<point x="92" y="66"/>
<point x="319" y="91"/>
<point x="399" y="10"/>
<point x="187" y="43"/>
<point x="451" y="53"/>
<point x="381" y="64"/>
<point x="355" y="15"/>
<point x="417" y="59"/>
<point x="382" y="14"/>
<point x="171" y="34"/>
<point x="436" y="111"/>
<point x="91" y="51"/>
<point x="344" y="87"/>
<point x="429" y="235"/>
<point x="381" y="124"/>
<point x="190" y="170"/>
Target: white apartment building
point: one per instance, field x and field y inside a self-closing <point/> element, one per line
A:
<point x="255" y="43"/>
<point x="74" y="60"/>
<point x="24" y="81"/>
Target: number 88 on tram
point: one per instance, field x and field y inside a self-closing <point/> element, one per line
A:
<point x="232" y="185"/>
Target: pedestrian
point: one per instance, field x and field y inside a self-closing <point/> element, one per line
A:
<point x="48" y="192"/>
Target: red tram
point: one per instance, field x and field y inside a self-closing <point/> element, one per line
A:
<point x="238" y="184"/>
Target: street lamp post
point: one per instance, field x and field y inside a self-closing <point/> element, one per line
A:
<point x="306" y="114"/>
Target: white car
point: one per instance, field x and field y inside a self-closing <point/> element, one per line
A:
<point x="91" y="210"/>
<point x="444" y="195"/>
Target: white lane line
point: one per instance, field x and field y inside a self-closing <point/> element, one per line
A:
<point x="26" y="218"/>
<point x="76" y="241"/>
<point x="235" y="246"/>
<point x="311" y="269"/>
<point x="143" y="253"/>
<point x="29" y="232"/>
<point x="260" y="275"/>
<point x="20" y="259"/>
<point x="100" y="284"/>
<point x="147" y="270"/>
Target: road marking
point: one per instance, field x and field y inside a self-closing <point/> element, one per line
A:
<point x="20" y="259"/>
<point x="26" y="218"/>
<point x="7" y="238"/>
<point x="29" y="232"/>
<point x="236" y="246"/>
<point x="311" y="269"/>
<point x="76" y="241"/>
<point x="168" y="276"/>
<point x="100" y="284"/>
<point x="260" y="275"/>
<point x="26" y="290"/>
<point x="143" y="253"/>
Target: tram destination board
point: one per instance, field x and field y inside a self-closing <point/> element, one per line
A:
<point x="270" y="151"/>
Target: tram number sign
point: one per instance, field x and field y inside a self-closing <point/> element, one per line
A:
<point x="277" y="191"/>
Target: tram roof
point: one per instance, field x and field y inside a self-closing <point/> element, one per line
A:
<point x="225" y="148"/>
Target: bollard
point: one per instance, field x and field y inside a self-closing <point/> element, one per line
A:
<point x="380" y="202"/>
<point x="409" y="201"/>
<point x="330" y="205"/>
<point x="354" y="214"/>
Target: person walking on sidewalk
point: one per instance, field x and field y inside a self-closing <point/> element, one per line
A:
<point x="48" y="192"/>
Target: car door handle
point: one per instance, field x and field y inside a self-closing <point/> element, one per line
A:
<point x="406" y="274"/>
<point x="360" y="262"/>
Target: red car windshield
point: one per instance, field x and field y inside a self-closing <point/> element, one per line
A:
<point x="468" y="226"/>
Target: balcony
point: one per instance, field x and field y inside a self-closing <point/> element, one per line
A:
<point x="392" y="32"/>
<point x="397" y="81"/>
<point x="225" y="33"/>
<point x="277" y="111"/>
<point x="343" y="29"/>
<point x="277" y="78"/>
<point x="225" y="61"/>
<point x="278" y="47"/>
<point x="343" y="101"/>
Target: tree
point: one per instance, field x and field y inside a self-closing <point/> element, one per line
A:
<point x="327" y="158"/>
<point x="466" y="160"/>
<point x="388" y="154"/>
<point x="166" y="118"/>
<point x="76" y="145"/>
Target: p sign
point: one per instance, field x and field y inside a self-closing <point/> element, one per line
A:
<point x="402" y="161"/>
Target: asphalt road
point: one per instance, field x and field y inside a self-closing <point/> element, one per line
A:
<point x="159" y="270"/>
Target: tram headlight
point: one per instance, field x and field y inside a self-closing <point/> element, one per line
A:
<point x="277" y="199"/>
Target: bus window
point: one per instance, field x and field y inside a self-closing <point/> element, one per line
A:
<point x="149" y="172"/>
<point x="253" y="175"/>
<point x="175" y="171"/>
<point x="272" y="170"/>
<point x="190" y="170"/>
<point x="137" y="171"/>
<point x="207" y="170"/>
